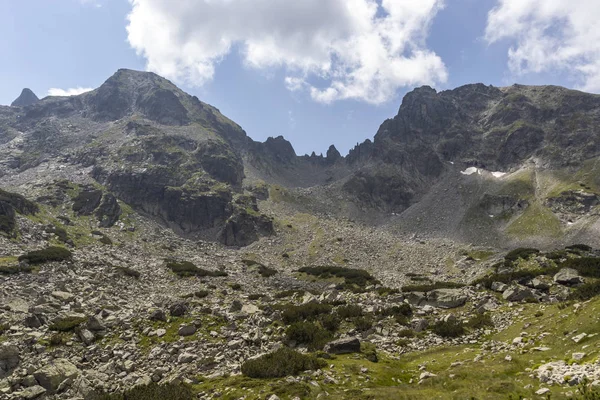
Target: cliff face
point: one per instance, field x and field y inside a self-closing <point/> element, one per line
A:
<point x="171" y="156"/>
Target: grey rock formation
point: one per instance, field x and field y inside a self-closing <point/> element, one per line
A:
<point x="568" y="276"/>
<point x="26" y="98"/>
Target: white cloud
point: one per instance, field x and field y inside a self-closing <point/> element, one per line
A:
<point x="550" y="36"/>
<point x="68" y="92"/>
<point x="356" y="49"/>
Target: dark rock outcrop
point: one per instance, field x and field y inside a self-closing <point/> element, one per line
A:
<point x="26" y="98"/>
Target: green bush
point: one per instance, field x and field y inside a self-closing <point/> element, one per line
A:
<point x="105" y="240"/>
<point x="255" y="296"/>
<point x="304" y="312"/>
<point x="308" y="333"/>
<point x="350" y="311"/>
<point x="363" y="324"/>
<point x="14" y="269"/>
<point x="406" y="333"/>
<point x="235" y="286"/>
<point x="67" y="324"/>
<point x="480" y="321"/>
<point x="403" y="309"/>
<point x="187" y="268"/>
<point x="582" y="247"/>
<point x="266" y="272"/>
<point x="448" y="329"/>
<point x="557" y="255"/>
<point x="281" y="363"/>
<point x="201" y="294"/>
<point x="386" y="291"/>
<point x="153" y="391"/>
<point x="358" y="277"/>
<point x="331" y="322"/>
<point x="586" y="266"/>
<point x="433" y="286"/>
<point x="53" y="253"/>
<point x="129" y="272"/>
<point x="521" y="252"/>
<point x="585" y="291"/>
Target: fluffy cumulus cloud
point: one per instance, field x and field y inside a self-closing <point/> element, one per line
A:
<point x="332" y="49"/>
<point x="550" y="35"/>
<point x="68" y="92"/>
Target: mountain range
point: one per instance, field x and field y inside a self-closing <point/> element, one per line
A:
<point x="479" y="164"/>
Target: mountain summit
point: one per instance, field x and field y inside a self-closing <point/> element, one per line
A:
<point x="26" y="98"/>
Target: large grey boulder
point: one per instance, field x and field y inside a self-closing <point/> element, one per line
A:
<point x="568" y="276"/>
<point x="9" y="359"/>
<point x="343" y="346"/>
<point x="446" y="298"/>
<point x="518" y="293"/>
<point x="52" y="375"/>
<point x="499" y="287"/>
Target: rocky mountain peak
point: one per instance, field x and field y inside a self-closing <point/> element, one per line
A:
<point x="26" y="98"/>
<point x="129" y="91"/>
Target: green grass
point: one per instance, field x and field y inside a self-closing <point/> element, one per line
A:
<point x="536" y="220"/>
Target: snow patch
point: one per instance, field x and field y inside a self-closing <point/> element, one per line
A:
<point x="498" y="174"/>
<point x="470" y="171"/>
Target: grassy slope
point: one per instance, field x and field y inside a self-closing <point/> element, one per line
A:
<point x="490" y="377"/>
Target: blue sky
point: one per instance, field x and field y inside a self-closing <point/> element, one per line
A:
<point x="312" y="95"/>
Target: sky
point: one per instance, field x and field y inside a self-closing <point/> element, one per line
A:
<point x="318" y="72"/>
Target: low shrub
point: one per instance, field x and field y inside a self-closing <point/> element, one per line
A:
<point x="304" y="312"/>
<point x="67" y="324"/>
<point x="363" y="324"/>
<point x="406" y="333"/>
<point x="352" y="276"/>
<point x="521" y="252"/>
<point x="586" y="266"/>
<point x="153" y="391"/>
<point x="187" y="268"/>
<point x="281" y="363"/>
<point x="266" y="272"/>
<point x="350" y="311"/>
<point x="386" y="291"/>
<point x="331" y="322"/>
<point x="308" y="333"/>
<point x="52" y="253"/>
<point x="432" y="286"/>
<point x="479" y="321"/>
<point x="105" y="240"/>
<point x="14" y="269"/>
<point x="582" y="247"/>
<point x="201" y="294"/>
<point x="448" y="329"/>
<point x="585" y="291"/>
<point x="129" y="272"/>
<point x="235" y="286"/>
<point x="403" y="309"/>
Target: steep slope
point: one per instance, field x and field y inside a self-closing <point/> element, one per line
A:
<point x="153" y="146"/>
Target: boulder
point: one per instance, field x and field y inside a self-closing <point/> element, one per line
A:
<point x="187" y="330"/>
<point x="446" y="298"/>
<point x="343" y="346"/>
<point x="86" y="336"/>
<point x="499" y="287"/>
<point x="9" y="359"/>
<point x="518" y="293"/>
<point x="32" y="392"/>
<point x="419" y="324"/>
<point x="158" y="315"/>
<point x="178" y="309"/>
<point x="415" y="298"/>
<point x="52" y="375"/>
<point x="568" y="276"/>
